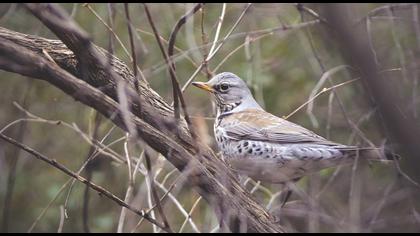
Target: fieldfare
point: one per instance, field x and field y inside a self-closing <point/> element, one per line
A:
<point x="266" y="147"/>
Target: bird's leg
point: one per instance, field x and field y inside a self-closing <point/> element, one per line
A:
<point x="288" y="192"/>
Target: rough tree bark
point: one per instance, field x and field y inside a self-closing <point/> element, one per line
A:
<point x="80" y="70"/>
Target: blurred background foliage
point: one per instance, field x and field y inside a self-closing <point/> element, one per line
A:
<point x="281" y="67"/>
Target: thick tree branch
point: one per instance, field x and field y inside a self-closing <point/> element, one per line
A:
<point x="154" y="122"/>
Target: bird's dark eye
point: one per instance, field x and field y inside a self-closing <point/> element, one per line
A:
<point x="224" y="87"/>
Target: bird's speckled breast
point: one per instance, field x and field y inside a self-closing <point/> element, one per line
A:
<point x="276" y="162"/>
<point x="247" y="149"/>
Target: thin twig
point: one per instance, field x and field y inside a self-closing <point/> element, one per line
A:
<point x="168" y="191"/>
<point x="369" y="36"/>
<point x="189" y="216"/>
<point x="326" y="73"/>
<point x="355" y="196"/>
<point x="407" y="177"/>
<point x="214" y="50"/>
<point x="216" y="36"/>
<point x="318" y="94"/>
<point x="176" y="28"/>
<point x="212" y="53"/>
<point x="129" y="192"/>
<point x="154" y="192"/>
<point x="329" y="115"/>
<point x="11" y="177"/>
<point x="33" y="118"/>
<point x="178" y="205"/>
<point x="180" y="51"/>
<point x="328" y="89"/>
<point x="87" y="5"/>
<point x="325" y="76"/>
<point x="133" y="47"/>
<point x="204" y="39"/>
<point x="162" y="199"/>
<point x="329" y="182"/>
<point x="65" y="185"/>
<point x="170" y="68"/>
<point x="253" y="33"/>
<point x="302" y="8"/>
<point x="62" y="217"/>
<point x="74" y="10"/>
<point x="177" y="94"/>
<point x="237" y="49"/>
<point x="382" y="202"/>
<point x="376" y="11"/>
<point x="397" y="42"/>
<point x="89" y="170"/>
<point x="97" y="188"/>
<point x="39" y="217"/>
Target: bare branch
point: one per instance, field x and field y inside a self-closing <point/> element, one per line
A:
<point x="95" y="187"/>
<point x="178" y="150"/>
<point x="177" y="94"/>
<point x="133" y="48"/>
<point x="154" y="192"/>
<point x="177" y="27"/>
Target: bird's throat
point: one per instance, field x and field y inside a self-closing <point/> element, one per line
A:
<point x="223" y="108"/>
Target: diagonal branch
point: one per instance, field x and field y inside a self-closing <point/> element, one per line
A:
<point x="175" y="85"/>
<point x="133" y="48"/>
<point x="95" y="187"/>
<point x="154" y="123"/>
<point x="154" y="192"/>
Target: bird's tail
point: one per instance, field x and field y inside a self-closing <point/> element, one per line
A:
<point x="378" y="154"/>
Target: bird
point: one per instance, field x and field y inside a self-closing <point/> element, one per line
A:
<point x="268" y="148"/>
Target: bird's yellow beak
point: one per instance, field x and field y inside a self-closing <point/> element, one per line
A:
<point x="204" y="86"/>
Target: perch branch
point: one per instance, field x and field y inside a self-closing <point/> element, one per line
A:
<point x="154" y="122"/>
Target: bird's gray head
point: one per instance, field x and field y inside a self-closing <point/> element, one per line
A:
<point x="230" y="92"/>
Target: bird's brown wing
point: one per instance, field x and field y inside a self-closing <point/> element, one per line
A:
<point x="258" y="125"/>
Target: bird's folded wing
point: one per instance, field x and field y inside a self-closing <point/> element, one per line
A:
<point x="258" y="125"/>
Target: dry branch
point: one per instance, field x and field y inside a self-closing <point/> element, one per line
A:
<point x="177" y="93"/>
<point x="97" y="188"/>
<point x="177" y="27"/>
